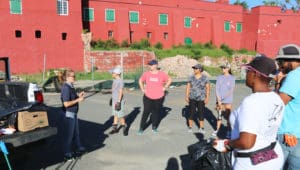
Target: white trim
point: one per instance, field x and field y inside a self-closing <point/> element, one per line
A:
<point x="110" y="9"/>
<point x="138" y="17"/>
<point x="159" y="18"/>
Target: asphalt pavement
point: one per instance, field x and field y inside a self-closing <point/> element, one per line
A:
<point x="166" y="150"/>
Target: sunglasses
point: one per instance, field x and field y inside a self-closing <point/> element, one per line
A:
<point x="249" y="69"/>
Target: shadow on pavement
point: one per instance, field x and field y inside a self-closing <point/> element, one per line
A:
<point x="49" y="152"/>
<point x="163" y="113"/>
<point x="172" y="164"/>
<point x="208" y="115"/>
<point x="132" y="116"/>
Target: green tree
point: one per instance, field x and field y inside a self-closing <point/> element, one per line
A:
<point x="243" y="4"/>
<point x="271" y="3"/>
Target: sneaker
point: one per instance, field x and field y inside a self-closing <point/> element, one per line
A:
<point x="155" y="131"/>
<point x="190" y="130"/>
<point x="80" y="151"/>
<point x="68" y="158"/>
<point x="214" y="133"/>
<point x="125" y="130"/>
<point x="201" y="130"/>
<point x="114" y="129"/>
<point x="140" y="132"/>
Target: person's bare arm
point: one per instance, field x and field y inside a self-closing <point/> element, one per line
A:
<point x="72" y="102"/>
<point x="207" y="94"/>
<point x="168" y="83"/>
<point x="141" y="84"/>
<point x="245" y="141"/>
<point x="187" y="92"/>
<point x="285" y="98"/>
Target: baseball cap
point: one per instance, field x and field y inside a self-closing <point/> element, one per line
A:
<point x="198" y="66"/>
<point x="116" y="70"/>
<point x="289" y="51"/>
<point x="225" y="65"/>
<point x="263" y="65"/>
<point x="152" y="62"/>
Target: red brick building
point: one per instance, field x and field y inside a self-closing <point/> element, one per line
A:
<point x="174" y="22"/>
<point x="34" y="31"/>
<point x="49" y="31"/>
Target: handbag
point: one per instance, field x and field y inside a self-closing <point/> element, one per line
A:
<point x="261" y="155"/>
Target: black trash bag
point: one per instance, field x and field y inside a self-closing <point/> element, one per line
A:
<point x="205" y="157"/>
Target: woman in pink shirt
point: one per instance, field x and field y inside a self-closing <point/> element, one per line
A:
<point x="153" y="84"/>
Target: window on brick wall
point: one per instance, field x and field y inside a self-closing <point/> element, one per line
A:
<point x="163" y="19"/>
<point x="38" y="34"/>
<point x="18" y="33"/>
<point x="110" y="15"/>
<point x="64" y="36"/>
<point x="88" y="14"/>
<point x="62" y="7"/>
<point x="149" y="35"/>
<point x="110" y="34"/>
<point x="166" y="35"/>
<point x="15" y="6"/>
<point x="239" y="27"/>
<point x="227" y="26"/>
<point x="187" y="22"/>
<point x="134" y="17"/>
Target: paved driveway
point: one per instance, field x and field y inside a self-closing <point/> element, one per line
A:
<point x="165" y="150"/>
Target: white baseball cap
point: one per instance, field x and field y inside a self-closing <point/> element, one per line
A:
<point x="116" y="70"/>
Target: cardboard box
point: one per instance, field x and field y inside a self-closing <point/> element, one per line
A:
<point x="31" y="120"/>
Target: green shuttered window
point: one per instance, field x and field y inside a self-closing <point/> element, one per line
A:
<point x="227" y="26"/>
<point x="109" y="15"/>
<point x="15" y="6"/>
<point x="239" y="27"/>
<point x="134" y="17"/>
<point x="88" y="14"/>
<point x="187" y="22"/>
<point x="163" y="19"/>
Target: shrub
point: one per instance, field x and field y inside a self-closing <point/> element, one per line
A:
<point x="145" y="43"/>
<point x="125" y="43"/>
<point x="227" y="49"/>
<point x="209" y="45"/>
<point x="158" y="45"/>
<point x="243" y="51"/>
<point x="197" y="53"/>
<point x="135" y="45"/>
<point x="111" y="43"/>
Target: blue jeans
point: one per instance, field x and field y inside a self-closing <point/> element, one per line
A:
<point x="72" y="135"/>
<point x="291" y="154"/>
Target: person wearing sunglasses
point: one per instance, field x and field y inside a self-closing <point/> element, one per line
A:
<point x="256" y="121"/>
<point x="70" y="100"/>
<point x="224" y="96"/>
<point x="288" y="59"/>
<point x="197" y="96"/>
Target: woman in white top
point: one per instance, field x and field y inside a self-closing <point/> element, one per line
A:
<point x="256" y="121"/>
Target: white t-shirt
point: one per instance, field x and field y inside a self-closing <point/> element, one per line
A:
<point x="260" y="114"/>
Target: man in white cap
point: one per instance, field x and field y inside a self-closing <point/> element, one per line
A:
<point x="118" y="101"/>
